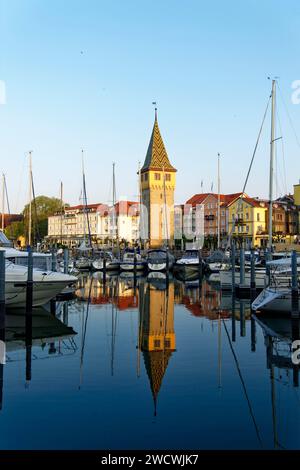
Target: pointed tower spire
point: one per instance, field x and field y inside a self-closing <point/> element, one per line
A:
<point x="157" y="157"/>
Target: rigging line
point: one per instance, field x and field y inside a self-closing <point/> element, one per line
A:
<point x="86" y="211"/>
<point x="36" y="225"/>
<point x="283" y="153"/>
<point x="239" y="202"/>
<point x="7" y="203"/>
<point x="288" y="115"/>
<point x="6" y="195"/>
<point x="277" y="185"/>
<point x="257" y="142"/>
<point x="243" y="384"/>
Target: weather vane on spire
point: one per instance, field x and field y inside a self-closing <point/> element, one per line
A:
<point x="155" y="104"/>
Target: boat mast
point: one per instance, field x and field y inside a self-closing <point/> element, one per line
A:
<point x="218" y="214"/>
<point x="3" y="202"/>
<point x="115" y="220"/>
<point x="30" y="198"/>
<point x="84" y="197"/>
<point x="114" y="200"/>
<point x="83" y="201"/>
<point x="272" y="156"/>
<point x="140" y="203"/>
<point x="61" y="212"/>
<point x="165" y="225"/>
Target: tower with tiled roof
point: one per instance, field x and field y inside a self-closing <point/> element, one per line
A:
<point x="158" y="179"/>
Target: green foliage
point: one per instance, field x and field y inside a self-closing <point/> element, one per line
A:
<point x="41" y="208"/>
<point x="15" y="230"/>
<point x="210" y="242"/>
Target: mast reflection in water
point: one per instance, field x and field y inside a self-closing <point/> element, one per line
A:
<point x="148" y="363"/>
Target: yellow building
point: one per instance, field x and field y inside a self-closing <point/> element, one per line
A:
<point x="158" y="179"/>
<point x="156" y="332"/>
<point x="297" y="203"/>
<point x="297" y="194"/>
<point x="249" y="217"/>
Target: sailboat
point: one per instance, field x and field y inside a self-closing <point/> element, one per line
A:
<point x="84" y="261"/>
<point x="278" y="295"/>
<point x="187" y="267"/>
<point x="112" y="262"/>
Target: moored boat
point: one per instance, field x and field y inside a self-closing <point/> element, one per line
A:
<point x="46" y="285"/>
<point x="159" y="260"/>
<point x="132" y="261"/>
<point x="190" y="262"/>
<point x="83" y="263"/>
<point x="111" y="263"/>
<point x="277" y="297"/>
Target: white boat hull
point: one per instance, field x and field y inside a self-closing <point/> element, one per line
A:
<point x="214" y="277"/>
<point x="130" y="266"/>
<point x="216" y="267"/>
<point x="157" y="266"/>
<point x="274" y="300"/>
<point x="84" y="265"/>
<point x="46" y="285"/>
<point x="226" y="279"/>
<point x="15" y="293"/>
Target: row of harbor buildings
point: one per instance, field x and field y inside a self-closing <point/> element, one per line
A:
<point x="243" y="216"/>
<point x="156" y="219"/>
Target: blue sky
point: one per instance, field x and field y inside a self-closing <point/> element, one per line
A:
<point x="83" y="74"/>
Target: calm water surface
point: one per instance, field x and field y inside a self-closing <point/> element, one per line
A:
<point x="151" y="366"/>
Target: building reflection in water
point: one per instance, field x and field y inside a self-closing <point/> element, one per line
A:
<point x="157" y="340"/>
<point x="119" y="290"/>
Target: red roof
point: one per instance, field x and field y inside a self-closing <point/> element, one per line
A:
<point x="224" y="198"/>
<point x="198" y="198"/>
<point x="83" y="206"/>
<point x="254" y="202"/>
<point x="10" y="218"/>
<point x="127" y="208"/>
<point x="228" y="198"/>
<point x="103" y="209"/>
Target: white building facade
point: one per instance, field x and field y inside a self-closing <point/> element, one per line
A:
<point x="102" y="222"/>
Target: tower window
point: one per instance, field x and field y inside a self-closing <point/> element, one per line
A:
<point x="167" y="177"/>
<point x="157" y="176"/>
<point x="157" y="343"/>
<point x="146" y="176"/>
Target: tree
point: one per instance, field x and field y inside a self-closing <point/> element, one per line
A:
<point x="15" y="230"/>
<point x="42" y="207"/>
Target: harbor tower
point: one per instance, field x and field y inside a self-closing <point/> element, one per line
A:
<point x="158" y="179"/>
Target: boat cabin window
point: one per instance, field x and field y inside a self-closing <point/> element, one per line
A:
<point x="157" y="255"/>
<point x="192" y="254"/>
<point x="44" y="263"/>
<point x="4" y="241"/>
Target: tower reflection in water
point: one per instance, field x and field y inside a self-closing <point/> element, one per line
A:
<point x="157" y="340"/>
